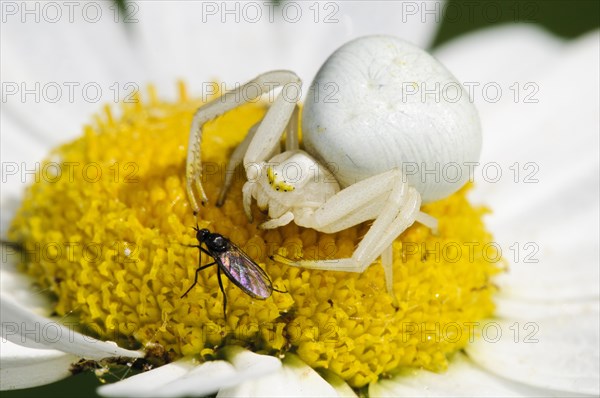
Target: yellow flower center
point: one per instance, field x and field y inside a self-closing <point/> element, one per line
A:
<point x="111" y="227"/>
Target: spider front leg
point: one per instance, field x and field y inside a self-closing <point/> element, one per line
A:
<point x="385" y="198"/>
<point x="291" y="134"/>
<point x="269" y="133"/>
<point x="265" y="138"/>
<point x="285" y="219"/>
<point x="234" y="161"/>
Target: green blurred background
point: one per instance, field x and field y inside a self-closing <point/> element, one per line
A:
<point x="566" y="18"/>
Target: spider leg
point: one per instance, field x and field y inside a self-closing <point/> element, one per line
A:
<point x="285" y="219"/>
<point x="361" y="258"/>
<point x="387" y="262"/>
<point x="291" y="134"/>
<point x="398" y="213"/>
<point x="270" y="131"/>
<point x="238" y="156"/>
<point x="428" y="221"/>
<point x="234" y="161"/>
<point x="357" y="203"/>
<point x="276" y="119"/>
<point x="400" y="223"/>
<point x="247" y="199"/>
<point x="403" y="220"/>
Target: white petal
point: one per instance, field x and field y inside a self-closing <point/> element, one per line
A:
<point x="23" y="327"/>
<point x="22" y="367"/>
<point x="10" y="199"/>
<point x="341" y="387"/>
<point x="18" y="286"/>
<point x="200" y="42"/>
<point x="210" y="377"/>
<point x="559" y="214"/>
<point x="462" y="379"/>
<point x="295" y="379"/>
<point x="178" y="379"/>
<point x="186" y="378"/>
<point x="249" y="364"/>
<point x="553" y="251"/>
<point x="500" y="55"/>
<point x="79" y="64"/>
<point x="529" y="310"/>
<point x="21" y="154"/>
<point x="18" y="146"/>
<point x="558" y="353"/>
<point x="202" y="380"/>
<point x="144" y="384"/>
<point x="553" y="135"/>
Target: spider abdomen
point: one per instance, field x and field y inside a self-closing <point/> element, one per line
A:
<point x="394" y="106"/>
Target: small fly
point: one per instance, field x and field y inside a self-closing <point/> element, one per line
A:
<point x="235" y="264"/>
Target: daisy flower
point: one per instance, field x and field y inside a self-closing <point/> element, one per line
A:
<point x="105" y="224"/>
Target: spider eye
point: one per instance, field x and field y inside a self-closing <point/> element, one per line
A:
<point x="277" y="182"/>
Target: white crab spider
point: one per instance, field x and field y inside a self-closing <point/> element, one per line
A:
<point x="296" y="186"/>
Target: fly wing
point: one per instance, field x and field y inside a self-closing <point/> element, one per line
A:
<point x="244" y="272"/>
